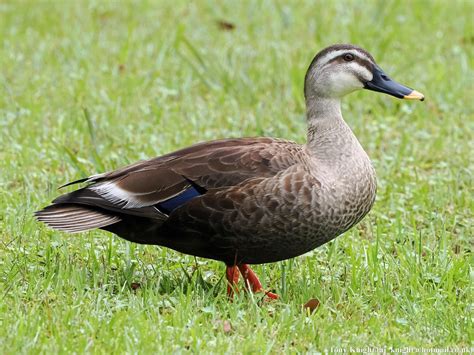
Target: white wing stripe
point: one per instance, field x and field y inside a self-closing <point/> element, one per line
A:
<point x="118" y="196"/>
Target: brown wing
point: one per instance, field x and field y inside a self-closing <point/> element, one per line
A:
<point x="214" y="164"/>
<point x="137" y="199"/>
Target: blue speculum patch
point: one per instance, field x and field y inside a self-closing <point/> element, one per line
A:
<point x="171" y="204"/>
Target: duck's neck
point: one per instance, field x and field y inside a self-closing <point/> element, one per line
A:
<point x="329" y="137"/>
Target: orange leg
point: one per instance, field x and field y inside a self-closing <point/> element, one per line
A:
<point x="232" y="276"/>
<point x="252" y="282"/>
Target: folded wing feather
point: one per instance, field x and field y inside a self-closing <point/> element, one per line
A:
<point x="154" y="188"/>
<point x="215" y="164"/>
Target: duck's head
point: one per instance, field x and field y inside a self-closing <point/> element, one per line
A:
<point x="342" y="68"/>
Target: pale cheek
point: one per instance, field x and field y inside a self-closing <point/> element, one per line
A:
<point x="360" y="71"/>
<point x="367" y="75"/>
<point x="344" y="83"/>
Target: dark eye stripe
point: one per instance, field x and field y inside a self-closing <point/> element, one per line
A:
<point x="365" y="63"/>
<point x="361" y="61"/>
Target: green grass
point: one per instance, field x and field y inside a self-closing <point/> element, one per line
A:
<point x="87" y="87"/>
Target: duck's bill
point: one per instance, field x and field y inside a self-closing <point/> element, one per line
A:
<point x="382" y="83"/>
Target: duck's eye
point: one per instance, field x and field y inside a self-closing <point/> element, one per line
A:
<point x="348" y="57"/>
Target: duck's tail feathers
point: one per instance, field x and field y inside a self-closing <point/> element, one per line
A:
<point x="75" y="218"/>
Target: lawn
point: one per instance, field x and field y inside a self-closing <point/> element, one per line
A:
<point x="87" y="87"/>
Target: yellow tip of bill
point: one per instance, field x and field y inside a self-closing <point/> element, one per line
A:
<point x="414" y="95"/>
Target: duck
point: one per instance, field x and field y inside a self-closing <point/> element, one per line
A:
<point x="245" y="201"/>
